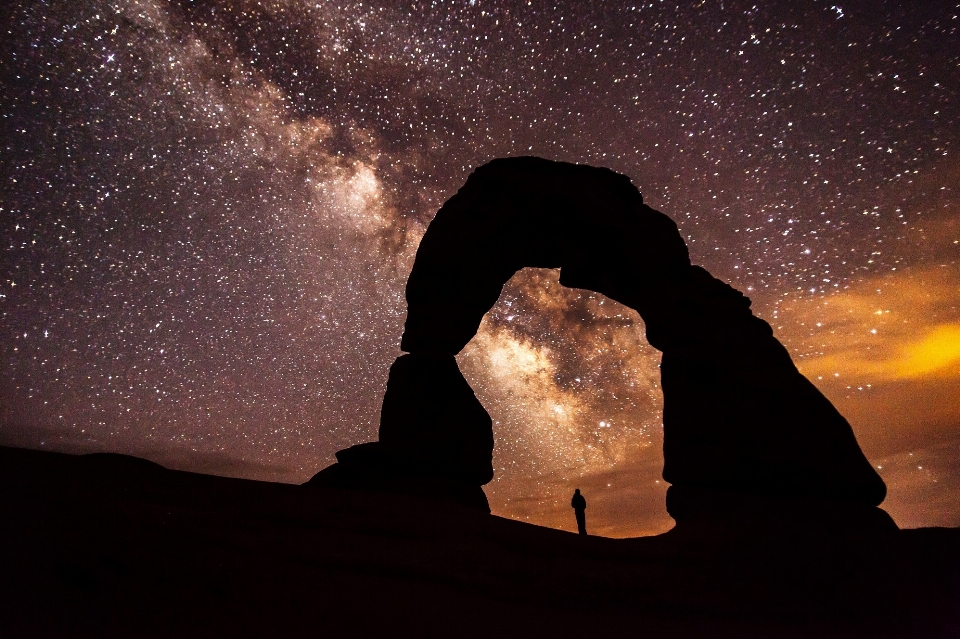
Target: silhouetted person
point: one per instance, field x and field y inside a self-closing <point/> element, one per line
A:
<point x="580" y="507"/>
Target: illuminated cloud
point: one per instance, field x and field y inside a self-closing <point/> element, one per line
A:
<point x="887" y="353"/>
<point x="901" y="326"/>
<point x="934" y="353"/>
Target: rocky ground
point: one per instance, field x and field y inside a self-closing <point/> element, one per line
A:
<point x="108" y="545"/>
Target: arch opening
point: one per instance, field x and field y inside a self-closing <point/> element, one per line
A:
<point x="572" y="388"/>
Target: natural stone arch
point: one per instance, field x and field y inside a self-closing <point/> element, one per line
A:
<point x="739" y="418"/>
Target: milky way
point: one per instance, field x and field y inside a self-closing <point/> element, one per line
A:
<point x="210" y="209"/>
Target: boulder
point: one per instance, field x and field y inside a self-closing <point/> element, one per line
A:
<point x="370" y="467"/>
<point x="432" y="424"/>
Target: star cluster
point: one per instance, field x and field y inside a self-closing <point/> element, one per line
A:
<point x="209" y="210"/>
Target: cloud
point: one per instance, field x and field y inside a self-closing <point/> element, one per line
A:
<point x="901" y="326"/>
<point x="886" y="352"/>
<point x="934" y="353"/>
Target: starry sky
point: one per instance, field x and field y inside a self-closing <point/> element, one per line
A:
<point x="209" y="210"/>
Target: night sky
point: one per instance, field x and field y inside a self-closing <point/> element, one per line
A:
<point x="209" y="210"/>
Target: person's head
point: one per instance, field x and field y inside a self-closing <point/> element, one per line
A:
<point x="576" y="492"/>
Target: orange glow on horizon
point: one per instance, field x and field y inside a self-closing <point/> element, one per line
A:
<point x="935" y="354"/>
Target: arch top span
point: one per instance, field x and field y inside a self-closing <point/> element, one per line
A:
<point x="512" y="213"/>
<point x="739" y="419"/>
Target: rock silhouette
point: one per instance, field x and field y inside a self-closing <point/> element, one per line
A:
<point x="435" y="436"/>
<point x="426" y="394"/>
<point x="741" y="424"/>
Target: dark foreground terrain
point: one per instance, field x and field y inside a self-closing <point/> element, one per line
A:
<point x="108" y="545"/>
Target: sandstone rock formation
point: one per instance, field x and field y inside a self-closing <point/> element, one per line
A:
<point x="739" y="418"/>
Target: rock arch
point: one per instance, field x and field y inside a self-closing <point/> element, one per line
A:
<point x="739" y="418"/>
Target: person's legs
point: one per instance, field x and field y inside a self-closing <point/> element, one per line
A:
<point x="581" y="521"/>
